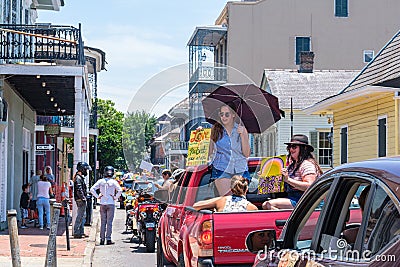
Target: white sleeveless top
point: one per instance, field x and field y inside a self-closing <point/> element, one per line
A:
<point x="235" y="204"/>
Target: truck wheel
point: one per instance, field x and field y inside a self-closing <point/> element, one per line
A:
<point x="161" y="260"/>
<point x="150" y="241"/>
<point x="181" y="259"/>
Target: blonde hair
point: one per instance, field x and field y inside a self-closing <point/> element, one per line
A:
<point x="239" y="185"/>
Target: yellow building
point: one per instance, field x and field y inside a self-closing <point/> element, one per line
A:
<point x="366" y="112"/>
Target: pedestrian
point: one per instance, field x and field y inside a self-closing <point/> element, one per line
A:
<point x="236" y="202"/>
<point x="49" y="174"/>
<point x="109" y="192"/>
<point x="80" y="192"/>
<point x="301" y="172"/>
<point x="166" y="175"/>
<point x="43" y="200"/>
<point x="24" y="205"/>
<point x="33" y="184"/>
<point x="230" y="147"/>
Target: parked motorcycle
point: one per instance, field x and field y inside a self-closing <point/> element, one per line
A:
<point x="147" y="216"/>
<point x="130" y="208"/>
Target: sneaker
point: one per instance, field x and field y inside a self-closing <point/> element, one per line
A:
<point x="48" y="227"/>
<point x="109" y="242"/>
<point x="41" y="227"/>
<point x="101" y="241"/>
<point x="31" y="221"/>
<point x="23" y="227"/>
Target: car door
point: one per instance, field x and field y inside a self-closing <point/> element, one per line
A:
<point x="376" y="238"/>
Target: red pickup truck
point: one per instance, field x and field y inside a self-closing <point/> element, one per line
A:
<point x="203" y="238"/>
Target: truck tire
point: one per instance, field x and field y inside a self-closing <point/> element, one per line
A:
<point x="150" y="241"/>
<point x="161" y="260"/>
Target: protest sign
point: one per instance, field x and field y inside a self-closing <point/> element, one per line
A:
<point x="270" y="177"/>
<point x="198" y="147"/>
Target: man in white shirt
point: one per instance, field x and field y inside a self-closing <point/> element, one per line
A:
<point x="109" y="192"/>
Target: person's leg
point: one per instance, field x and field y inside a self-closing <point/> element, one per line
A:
<point x="46" y="206"/>
<point x="223" y="186"/>
<point x="110" y="218"/>
<point x="103" y="217"/>
<point x="278" y="203"/>
<point x="39" y="204"/>
<point x="79" y="217"/>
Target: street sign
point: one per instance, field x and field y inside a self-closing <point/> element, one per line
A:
<point x="47" y="147"/>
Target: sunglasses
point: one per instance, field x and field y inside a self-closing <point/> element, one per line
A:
<point x="292" y="146"/>
<point x="226" y="114"/>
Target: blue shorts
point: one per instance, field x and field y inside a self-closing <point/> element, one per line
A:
<point x="217" y="174"/>
<point x="294" y="197"/>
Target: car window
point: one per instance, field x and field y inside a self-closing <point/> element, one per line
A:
<point x="206" y="189"/>
<point x="176" y="187"/>
<point x="184" y="187"/>
<point x="383" y="224"/>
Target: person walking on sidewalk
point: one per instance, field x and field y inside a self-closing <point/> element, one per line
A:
<point x="43" y="200"/>
<point x="109" y="192"/>
<point x="80" y="191"/>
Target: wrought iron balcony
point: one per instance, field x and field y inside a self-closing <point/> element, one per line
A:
<point x="178" y="145"/>
<point x="63" y="121"/>
<point x="30" y="43"/>
<point x="209" y="73"/>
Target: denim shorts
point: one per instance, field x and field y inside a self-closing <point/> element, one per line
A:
<point x="294" y="197"/>
<point x="217" y="174"/>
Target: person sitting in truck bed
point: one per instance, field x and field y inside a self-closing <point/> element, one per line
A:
<point x="233" y="203"/>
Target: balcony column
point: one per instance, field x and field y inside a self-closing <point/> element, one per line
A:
<point x="78" y="121"/>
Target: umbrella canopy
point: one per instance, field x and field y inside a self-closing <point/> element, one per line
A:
<point x="256" y="109"/>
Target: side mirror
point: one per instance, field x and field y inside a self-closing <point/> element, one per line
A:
<point x="261" y="240"/>
<point x="161" y="195"/>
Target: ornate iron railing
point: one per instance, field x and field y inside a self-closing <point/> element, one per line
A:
<point x="41" y="42"/>
<point x="178" y="145"/>
<point x="208" y="73"/>
<point x="63" y="121"/>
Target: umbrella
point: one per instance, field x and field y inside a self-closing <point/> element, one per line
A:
<point x="256" y="108"/>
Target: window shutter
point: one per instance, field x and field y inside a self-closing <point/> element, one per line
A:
<point x="382" y="137"/>
<point x="314" y="143"/>
<point x="343" y="145"/>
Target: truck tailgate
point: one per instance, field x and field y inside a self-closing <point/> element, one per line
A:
<point x="231" y="229"/>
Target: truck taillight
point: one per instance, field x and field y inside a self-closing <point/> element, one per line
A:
<point x="205" y="239"/>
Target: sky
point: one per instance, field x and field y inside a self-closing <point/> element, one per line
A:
<point x="141" y="39"/>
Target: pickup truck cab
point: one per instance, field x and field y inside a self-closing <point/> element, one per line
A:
<point x="204" y="238"/>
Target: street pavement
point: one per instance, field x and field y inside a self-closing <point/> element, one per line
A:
<point x="33" y="245"/>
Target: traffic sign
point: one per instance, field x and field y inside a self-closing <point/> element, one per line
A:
<point x="47" y="147"/>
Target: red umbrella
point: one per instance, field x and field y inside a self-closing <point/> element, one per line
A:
<point x="256" y="108"/>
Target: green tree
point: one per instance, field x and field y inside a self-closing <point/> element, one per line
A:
<point x="139" y="129"/>
<point x="110" y="124"/>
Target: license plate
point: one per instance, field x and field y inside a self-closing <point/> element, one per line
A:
<point x="150" y="225"/>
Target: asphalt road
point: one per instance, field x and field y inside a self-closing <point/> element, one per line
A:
<point x="122" y="253"/>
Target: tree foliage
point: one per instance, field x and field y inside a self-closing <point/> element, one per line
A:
<point x="110" y="125"/>
<point x="138" y="130"/>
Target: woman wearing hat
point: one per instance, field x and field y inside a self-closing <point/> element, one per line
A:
<point x="301" y="172"/>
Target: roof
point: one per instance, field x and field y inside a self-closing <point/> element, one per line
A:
<point x="207" y="35"/>
<point x="305" y="88"/>
<point x="384" y="67"/>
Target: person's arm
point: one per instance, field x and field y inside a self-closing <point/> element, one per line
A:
<point x="94" y="188"/>
<point x="206" y="204"/>
<point x="244" y="139"/>
<point x="119" y="190"/>
<point x="157" y="185"/>
<point x="251" y="206"/>
<point x="302" y="185"/>
<point x="79" y="189"/>
<point x="51" y="190"/>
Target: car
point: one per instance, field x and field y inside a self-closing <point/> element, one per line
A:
<point x="366" y="193"/>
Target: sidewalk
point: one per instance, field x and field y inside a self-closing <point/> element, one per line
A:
<point x="33" y="245"/>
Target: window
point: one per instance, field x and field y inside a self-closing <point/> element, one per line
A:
<point x="341" y="8"/>
<point x="343" y="145"/>
<point x="302" y="45"/>
<point x="323" y="147"/>
<point x="368" y="56"/>
<point x="382" y="137"/>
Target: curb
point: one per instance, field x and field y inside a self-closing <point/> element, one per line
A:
<point x="91" y="245"/>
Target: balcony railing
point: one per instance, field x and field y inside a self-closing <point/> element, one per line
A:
<point x="40" y="42"/>
<point x="178" y="145"/>
<point x="209" y="73"/>
<point x="63" y="121"/>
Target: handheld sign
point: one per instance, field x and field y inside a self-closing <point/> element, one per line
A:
<point x="198" y="147"/>
<point x="271" y="176"/>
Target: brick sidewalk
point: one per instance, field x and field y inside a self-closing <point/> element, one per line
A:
<point x="33" y="245"/>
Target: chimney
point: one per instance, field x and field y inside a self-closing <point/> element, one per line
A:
<point x="306" y="62"/>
